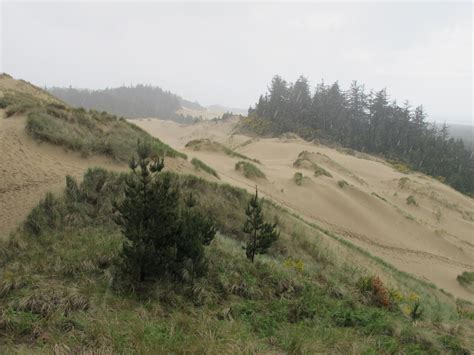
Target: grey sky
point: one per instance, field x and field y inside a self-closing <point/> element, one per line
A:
<point x="227" y="53"/>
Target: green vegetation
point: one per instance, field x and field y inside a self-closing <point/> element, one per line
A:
<point x="59" y="288"/>
<point x="162" y="238"/>
<point x="206" y="144"/>
<point x="370" y="123"/>
<point x="199" y="165"/>
<point x="466" y="279"/>
<point x="399" y="166"/>
<point x="249" y="170"/>
<point x="89" y="133"/>
<point x="411" y="200"/>
<point x="379" y="197"/>
<point x="342" y="183"/>
<point x="92" y="133"/>
<point x="305" y="161"/>
<point x="319" y="170"/>
<point x="298" y="178"/>
<point x="260" y="234"/>
<point x="138" y="101"/>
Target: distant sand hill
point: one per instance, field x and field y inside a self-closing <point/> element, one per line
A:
<point x="410" y="220"/>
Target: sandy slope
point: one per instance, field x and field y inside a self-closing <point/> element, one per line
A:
<point x="28" y="170"/>
<point x="434" y="240"/>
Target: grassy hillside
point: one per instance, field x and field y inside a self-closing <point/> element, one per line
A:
<point x="59" y="289"/>
<point x="88" y="132"/>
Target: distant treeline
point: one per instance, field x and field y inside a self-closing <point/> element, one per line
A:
<point x="128" y="101"/>
<point x="368" y="122"/>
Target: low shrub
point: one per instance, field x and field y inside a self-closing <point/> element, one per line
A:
<point x="466" y="278"/>
<point x="298" y="178"/>
<point x="199" y="165"/>
<point x="249" y="170"/>
<point x="411" y="200"/>
<point x="374" y="290"/>
<point x="342" y="183"/>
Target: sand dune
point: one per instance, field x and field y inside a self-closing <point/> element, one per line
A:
<point x="434" y="240"/>
<point x="28" y="170"/>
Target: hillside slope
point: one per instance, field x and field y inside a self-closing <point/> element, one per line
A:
<point x="42" y="140"/>
<point x="432" y="239"/>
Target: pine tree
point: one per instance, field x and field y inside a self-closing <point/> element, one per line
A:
<point x="148" y="216"/>
<point x="197" y="231"/>
<point x="261" y="235"/>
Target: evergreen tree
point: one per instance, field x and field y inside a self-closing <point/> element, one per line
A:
<point x="196" y="232"/>
<point x="261" y="235"/>
<point x="148" y="216"/>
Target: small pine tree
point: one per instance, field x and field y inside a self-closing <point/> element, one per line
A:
<point x="148" y="216"/>
<point x="196" y="231"/>
<point x="261" y="234"/>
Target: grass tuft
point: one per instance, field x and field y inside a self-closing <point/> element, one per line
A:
<point x="199" y="165"/>
<point x="206" y="144"/>
<point x="249" y="170"/>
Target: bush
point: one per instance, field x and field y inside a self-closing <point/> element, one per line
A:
<point x="250" y="171"/>
<point x="342" y="183"/>
<point x="319" y="170"/>
<point x="298" y="178"/>
<point x="466" y="278"/>
<point x="411" y="200"/>
<point x="199" y="165"/>
<point x="47" y="215"/>
<point x="373" y="288"/>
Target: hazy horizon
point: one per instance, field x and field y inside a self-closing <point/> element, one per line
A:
<point x="227" y="53"/>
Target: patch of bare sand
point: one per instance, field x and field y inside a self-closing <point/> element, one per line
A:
<point x="28" y="170"/>
<point x="434" y="240"/>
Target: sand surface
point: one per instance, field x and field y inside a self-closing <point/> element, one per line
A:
<point x="28" y="170"/>
<point x="434" y="240"/>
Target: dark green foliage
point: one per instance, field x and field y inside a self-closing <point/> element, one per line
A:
<point x="198" y="164"/>
<point x="196" y="232"/>
<point x="47" y="216"/>
<point x="148" y="216"/>
<point x="261" y="234"/>
<point x="365" y="122"/>
<point x="160" y="239"/>
<point x="416" y="312"/>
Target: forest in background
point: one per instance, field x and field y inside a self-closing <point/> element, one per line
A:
<point x="365" y="121"/>
<point x="129" y="101"/>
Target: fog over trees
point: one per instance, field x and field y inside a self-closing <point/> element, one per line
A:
<point x="366" y="121"/>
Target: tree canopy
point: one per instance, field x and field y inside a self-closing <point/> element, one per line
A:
<point x="366" y="121"/>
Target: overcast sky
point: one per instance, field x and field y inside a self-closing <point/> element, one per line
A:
<point x="227" y="53"/>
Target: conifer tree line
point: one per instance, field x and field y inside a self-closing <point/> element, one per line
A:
<point x="365" y="121"/>
<point x="129" y="101"/>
